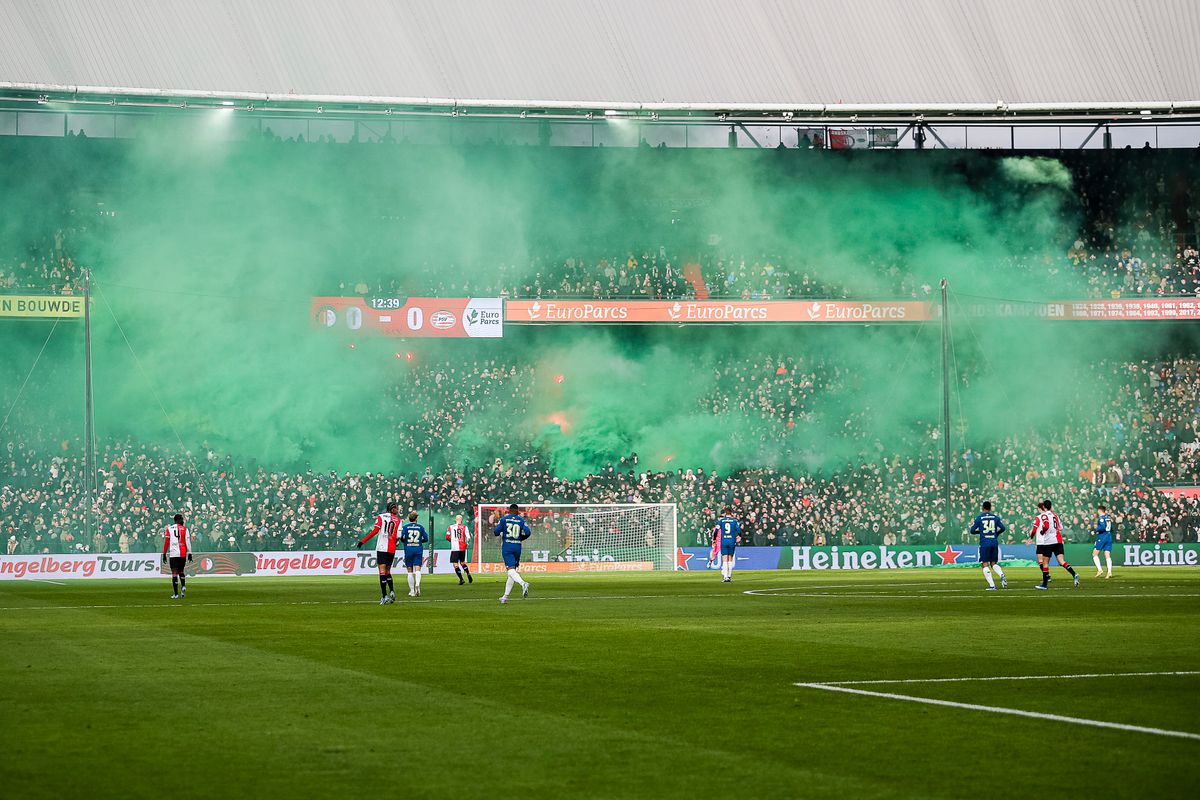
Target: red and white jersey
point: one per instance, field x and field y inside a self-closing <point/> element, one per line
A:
<point x="386" y="527"/>
<point x="177" y="541"/>
<point x="1047" y="529"/>
<point x="458" y="536"/>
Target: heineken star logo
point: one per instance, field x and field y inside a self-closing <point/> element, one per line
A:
<point x="949" y="555"/>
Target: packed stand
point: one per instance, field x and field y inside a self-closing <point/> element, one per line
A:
<point x="1144" y="436"/>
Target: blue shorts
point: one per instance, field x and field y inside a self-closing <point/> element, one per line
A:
<point x="727" y="549"/>
<point x="512" y="558"/>
<point x="1104" y="542"/>
<point x="989" y="553"/>
<point x="413" y="557"/>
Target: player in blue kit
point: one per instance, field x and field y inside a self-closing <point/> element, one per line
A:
<point x="988" y="527"/>
<point x="726" y="531"/>
<point x="1104" y="541"/>
<point x="414" y="536"/>
<point x="512" y="530"/>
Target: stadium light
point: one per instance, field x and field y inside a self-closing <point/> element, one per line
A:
<point x="226" y="102"/>
<point x="610" y="113"/>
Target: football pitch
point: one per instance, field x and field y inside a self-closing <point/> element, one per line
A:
<point x="851" y="685"/>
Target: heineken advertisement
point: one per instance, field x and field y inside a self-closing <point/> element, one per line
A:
<point x="877" y="557"/>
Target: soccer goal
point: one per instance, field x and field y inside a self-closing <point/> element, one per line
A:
<point x="583" y="538"/>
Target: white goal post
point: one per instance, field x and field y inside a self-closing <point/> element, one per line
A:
<point x="573" y="537"/>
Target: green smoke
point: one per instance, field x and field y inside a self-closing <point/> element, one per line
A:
<point x="208" y="252"/>
<point x="1037" y="172"/>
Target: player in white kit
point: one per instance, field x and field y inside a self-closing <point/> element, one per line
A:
<point x="177" y="546"/>
<point x="459" y="537"/>
<point x="387" y="526"/>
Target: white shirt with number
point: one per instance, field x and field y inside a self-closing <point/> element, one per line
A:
<point x="458" y="536"/>
<point x="178" y="542"/>
<point x="1047" y="529"/>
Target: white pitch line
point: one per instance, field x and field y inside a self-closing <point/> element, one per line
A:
<point x="423" y="601"/>
<point x="1002" y="678"/>
<point x="1016" y="712"/>
<point x="953" y="592"/>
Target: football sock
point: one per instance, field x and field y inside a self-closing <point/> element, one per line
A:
<point x="516" y="576"/>
<point x="417" y="577"/>
<point x="1067" y="567"/>
<point x="182" y="582"/>
<point x="1108" y="560"/>
<point x="411" y="585"/>
<point x="383" y="585"/>
<point x="987" y="574"/>
<point x="458" y="572"/>
<point x="508" y="584"/>
<point x="466" y="569"/>
<point x="391" y="585"/>
<point x="996" y="569"/>
<point x="1045" y="576"/>
<point x="1096" y="560"/>
<point x="174" y="584"/>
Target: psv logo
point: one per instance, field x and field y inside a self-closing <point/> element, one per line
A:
<point x="442" y="320"/>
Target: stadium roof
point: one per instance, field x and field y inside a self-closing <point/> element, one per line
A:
<point x="982" y="54"/>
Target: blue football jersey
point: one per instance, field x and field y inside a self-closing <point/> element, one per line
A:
<point x="512" y="530"/>
<point x="728" y="529"/>
<point x="413" y="535"/>
<point x="988" y="527"/>
<point x="1103" y="524"/>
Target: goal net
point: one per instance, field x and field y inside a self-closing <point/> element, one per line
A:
<point x="582" y="538"/>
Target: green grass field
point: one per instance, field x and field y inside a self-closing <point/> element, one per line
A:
<point x="663" y="685"/>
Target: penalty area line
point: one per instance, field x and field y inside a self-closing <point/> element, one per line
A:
<point x="1002" y="678"/>
<point x="1016" y="712"/>
<point x="412" y="601"/>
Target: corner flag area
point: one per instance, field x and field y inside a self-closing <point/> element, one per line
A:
<point x="911" y="684"/>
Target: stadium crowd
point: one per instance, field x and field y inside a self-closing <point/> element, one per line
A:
<point x="1105" y="271"/>
<point x="1145" y="437"/>
<point x="1136" y="237"/>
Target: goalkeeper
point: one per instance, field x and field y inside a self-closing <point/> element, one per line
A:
<point x="512" y="530"/>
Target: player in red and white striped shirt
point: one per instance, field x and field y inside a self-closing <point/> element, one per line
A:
<point x="1047" y="535"/>
<point x="459" y="537"/>
<point x="387" y="526"/>
<point x="177" y="546"/>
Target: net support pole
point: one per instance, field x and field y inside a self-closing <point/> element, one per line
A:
<point x="946" y="403"/>
<point x="431" y="553"/>
<point x="89" y="433"/>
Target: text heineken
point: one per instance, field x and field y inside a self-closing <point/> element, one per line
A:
<point x="881" y="557"/>
<point x="1144" y="555"/>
